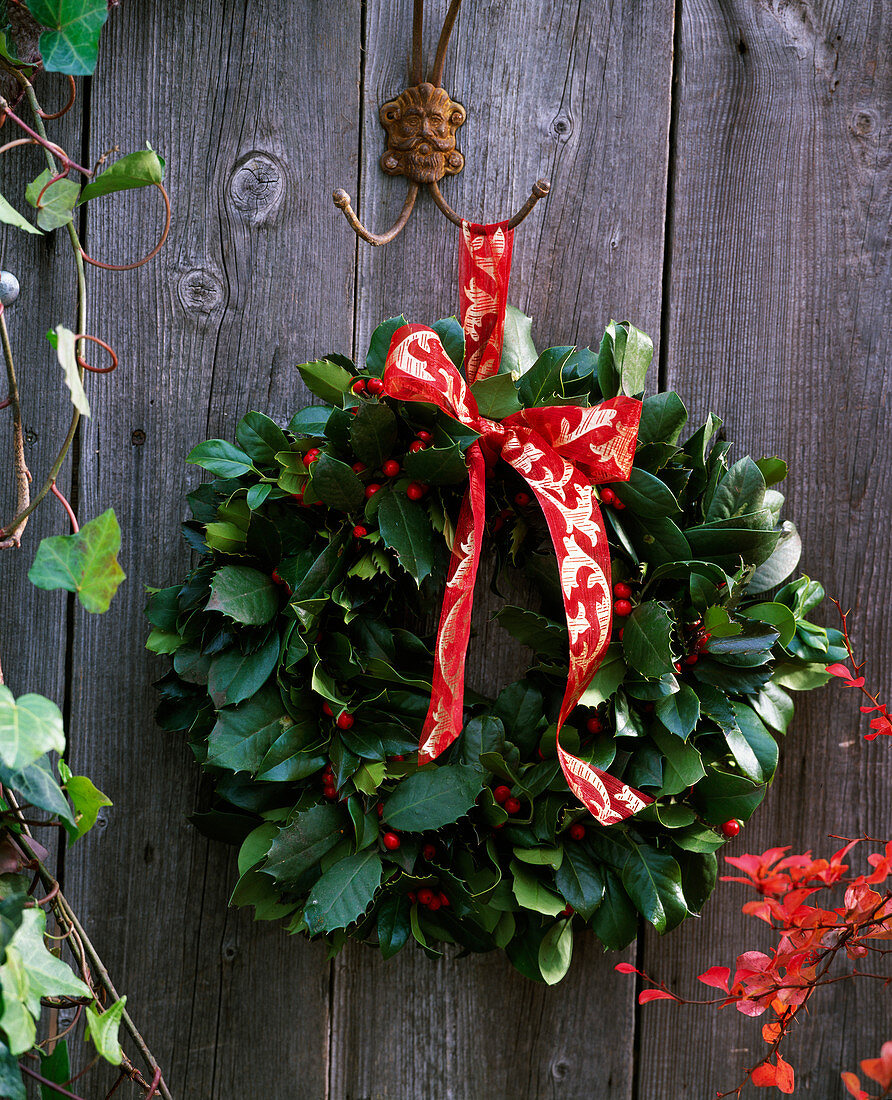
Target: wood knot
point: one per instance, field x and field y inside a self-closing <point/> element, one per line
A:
<point x="256" y="187"/>
<point x="201" y="291"/>
<point x="863" y="123"/>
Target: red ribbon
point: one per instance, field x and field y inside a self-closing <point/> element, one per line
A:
<point x="562" y="452"/>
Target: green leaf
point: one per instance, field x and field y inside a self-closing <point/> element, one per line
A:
<point x="646" y="495"/>
<point x="55" y="1067"/>
<point x="394" y="926"/>
<point x="543" y="382"/>
<point x="615" y="921"/>
<point x="544" y="637"/>
<point x="531" y="892"/>
<point x="683" y="766"/>
<point x="344" y="892"/>
<point x="623" y="359"/>
<point x="373" y="433"/>
<point x="103" y="1027"/>
<point x="244" y="594"/>
<point x="437" y="465"/>
<point x="433" y="797"/>
<point x="680" y="711"/>
<point x="772" y="469"/>
<point x="87" y="800"/>
<point x="235" y="676"/>
<point x="261" y="438"/>
<point x="326" y="380"/>
<point x="556" y="951"/>
<point x="760" y="741"/>
<point x="783" y="560"/>
<point x="71" y="41"/>
<point x="336" y="484"/>
<point x="47" y="975"/>
<point x="662" y="417"/>
<point x="740" y="492"/>
<point x="37" y="785"/>
<point x="646" y="637"/>
<point x="496" y="396"/>
<point x="63" y="341"/>
<point x="579" y="880"/>
<point x="518" y="350"/>
<point x="85" y="563"/>
<point x="302" y="843"/>
<point x="29" y="727"/>
<point x="606" y="680"/>
<point x="379" y="345"/>
<point x="143" y="168"/>
<point x="57" y="204"/>
<point x="774" y="706"/>
<point x="452" y="337"/>
<point x="310" y="421"/>
<point x="405" y="528"/>
<point x="11" y="1085"/>
<point x="776" y="615"/>
<point x="652" y="880"/>
<point x="221" y="458"/>
<point x="244" y="734"/>
<point x="11" y="216"/>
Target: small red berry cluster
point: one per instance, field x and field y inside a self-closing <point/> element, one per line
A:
<point x="609" y="497"/>
<point x="622" y="599"/>
<point x="696" y="641"/>
<point x="430" y="899"/>
<point x="506" y="800"/>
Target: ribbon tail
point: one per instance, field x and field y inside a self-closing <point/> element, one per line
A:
<point x="484" y="267"/>
<point x="445" y="716"/>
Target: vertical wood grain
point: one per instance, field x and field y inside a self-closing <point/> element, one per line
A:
<point x="257" y="276"/>
<point x="578" y="93"/>
<point x="779" y="296"/>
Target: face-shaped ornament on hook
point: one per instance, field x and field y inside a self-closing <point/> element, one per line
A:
<point x="421" y="124"/>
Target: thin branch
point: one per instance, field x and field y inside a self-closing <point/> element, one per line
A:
<point x="13" y="534"/>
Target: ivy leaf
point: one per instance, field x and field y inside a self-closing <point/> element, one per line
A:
<point x="140" y="169"/>
<point x="220" y="457"/>
<point x="336" y="484"/>
<point x="646" y="643"/>
<point x="58" y="201"/>
<point x="87" y="800"/>
<point x="405" y="528"/>
<point x="244" y="594"/>
<point x="344" y="892"/>
<point x="518" y="350"/>
<point x="85" y="563"/>
<point x="433" y="797"/>
<point x="55" y="1067"/>
<point x="243" y="735"/>
<point x="71" y="42"/>
<point x="37" y="785"/>
<point x="63" y="341"/>
<point x="302" y="843"/>
<point x="11" y="1085"/>
<point x="47" y="975"/>
<point x="373" y="433"/>
<point x="556" y="951"/>
<point x="29" y="727"/>
<point x="102" y="1028"/>
<point x="11" y="216"/>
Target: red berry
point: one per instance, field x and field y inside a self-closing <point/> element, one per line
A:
<point x="391" y="841"/>
<point x="444" y="900"/>
<point x="310" y="457"/>
<point x="677" y="666"/>
<point x="412" y="896"/>
<point x="327" y="770"/>
<point x="358" y="467"/>
<point x="424" y="436"/>
<point x="417" y="446"/>
<point x="622" y="591"/>
<point x="425" y="895"/>
<point x="594" y="724"/>
<point x="299" y="497"/>
<point x="375" y="386"/>
<point x="428" y="851"/>
<point x="731" y="828"/>
<point x="435" y="903"/>
<point x="568" y="911"/>
<point x="326" y="709"/>
<point x="522" y="499"/>
<point x="358" y="386"/>
<point x="344" y="720"/>
<point x="622" y="608"/>
<point x="391" y="467"/>
<point x="499" y="825"/>
<point x="703" y="642"/>
<point x="692" y="659"/>
<point x="618" y="504"/>
<point x="380" y="809"/>
<point x="608" y="495"/>
<point x="353" y="411"/>
<point x="330" y="793"/>
<point x="371" y="489"/>
<point x="620" y="635"/>
<point x="360" y="532"/>
<point x="415" y="490"/>
<point x="512" y="805"/>
<point x="501" y="793"/>
<point x="577" y="831"/>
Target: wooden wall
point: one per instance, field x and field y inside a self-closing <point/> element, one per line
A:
<point x="722" y="176"/>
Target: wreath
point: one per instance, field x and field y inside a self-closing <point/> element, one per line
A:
<point x="303" y="661"/>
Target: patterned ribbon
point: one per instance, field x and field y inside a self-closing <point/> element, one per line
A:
<point x="562" y="452"/>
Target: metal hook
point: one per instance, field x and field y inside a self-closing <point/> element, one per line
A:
<point x="421" y="124"/>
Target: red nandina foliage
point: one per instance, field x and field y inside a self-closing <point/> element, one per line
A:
<point x="881" y="723"/>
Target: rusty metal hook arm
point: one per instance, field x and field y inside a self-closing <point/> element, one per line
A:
<point x="342" y="202"/>
<point x="539" y="191"/>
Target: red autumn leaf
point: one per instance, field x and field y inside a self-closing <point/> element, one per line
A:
<point x="839" y="670"/>
<point x="852" y="1083"/>
<point x="625" y="968"/>
<point x="880" y="1069"/>
<point x="858" y="682"/>
<point x="716" y="976"/>
<point x="785" y="1078"/>
<point x="655" y="995"/>
<point x="764" y="1076"/>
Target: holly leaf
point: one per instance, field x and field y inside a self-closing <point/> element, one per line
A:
<point x="646" y="644"/>
<point x="71" y="41"/>
<point x="326" y="380"/>
<point x="518" y="350"/>
<point x="496" y="396"/>
<point x="235" y="676"/>
<point x="433" y="797"/>
<point x="452" y="337"/>
<point x="302" y="843"/>
<point x="220" y="457"/>
<point x="57" y="202"/>
<point x="244" y="594"/>
<point x="437" y="465"/>
<point x="373" y="434"/>
<point x="379" y="345"/>
<point x="405" y="528"/>
<point x="394" y="926"/>
<point x="344" y="892"/>
<point x="336" y="484"/>
<point x="103" y="1027"/>
<point x="143" y="168"/>
<point x="85" y="563"/>
<point x="680" y="711"/>
<point x="244" y="734"/>
<point x="543" y="382"/>
<point x="29" y="727"/>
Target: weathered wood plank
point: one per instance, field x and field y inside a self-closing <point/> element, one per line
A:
<point x="779" y="296"/>
<point x="551" y="90"/>
<point x="256" y="277"/>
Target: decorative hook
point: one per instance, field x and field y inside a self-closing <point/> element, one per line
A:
<point x="421" y="124"/>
